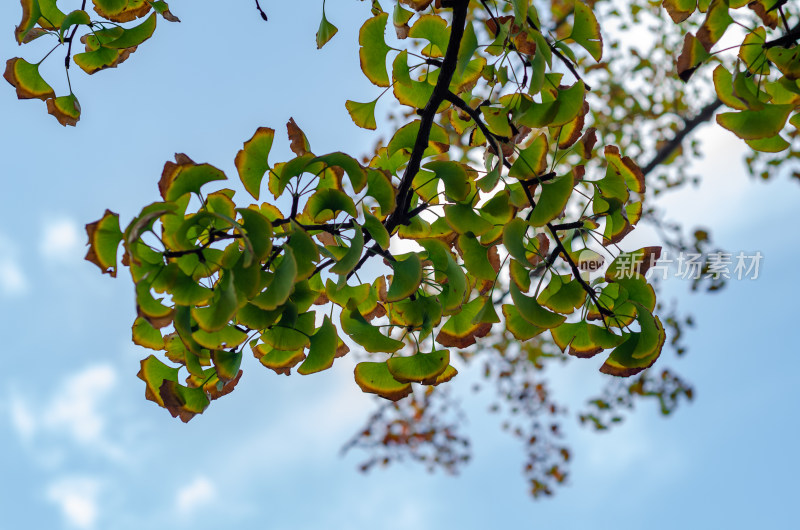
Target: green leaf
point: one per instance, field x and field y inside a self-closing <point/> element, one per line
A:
<point x="586" y="31"/>
<point x="454" y="176"/>
<point x="563" y="110"/>
<point x="461" y="330"/>
<point x="153" y="372"/>
<point x="305" y="253"/>
<point x="77" y="17"/>
<point x="282" y="283"/>
<point x="380" y="188"/>
<point x="66" y="109"/>
<point x="562" y="294"/>
<point x="373" y="49"/>
<point x="754" y="125"/>
<point x="30" y="14"/>
<point x="354" y="171"/>
<point x="422" y="368"/>
<point x="252" y="161"/>
<point x="259" y="232"/>
<point x="691" y="57"/>
<point x="407" y="278"/>
<point x="182" y="402"/>
<point x="227" y="364"/>
<point x="434" y="29"/>
<point x="330" y="200"/>
<point x="406" y="137"/>
<point x="227" y="337"/>
<point x="280" y="361"/>
<point x="531" y="311"/>
<point x="476" y="258"/>
<point x="375" y="378"/>
<point x="514" y="235"/>
<point x="25" y="77"/>
<point x="145" y="335"/>
<point x="377" y="230"/>
<point x="348" y="262"/>
<point x="553" y="200"/>
<point x="222" y="308"/>
<point x="326" y="31"/>
<point x="408" y="91"/>
<point x="532" y="161"/>
<point x="363" y="114"/>
<point x="104" y="239"/>
<point x="136" y="35"/>
<point x="520" y="327"/>
<point x="187" y="178"/>
<point x="717" y="21"/>
<point x="462" y="219"/>
<point x="365" y="334"/>
<point x="322" y="350"/>
<point x="584" y="340"/>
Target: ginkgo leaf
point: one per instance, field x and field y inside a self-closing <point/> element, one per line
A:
<point x="534" y="313"/>
<point x="348" y="262"/>
<point x="373" y="49"/>
<point x="30" y="15"/>
<point x="717" y="21"/>
<point x="227" y="364"/>
<point x="691" y="57"/>
<point x="252" y="161"/>
<point x="222" y="307"/>
<point x="153" y="372"/>
<point x="93" y="61"/>
<point x="282" y="284"/>
<point x="180" y="179"/>
<point x="407" y="278"/>
<point x="145" y="335"/>
<point x="121" y="10"/>
<point x="322" y="349"/>
<point x="454" y="176"/>
<point x="553" y="200"/>
<point x="375" y="378"/>
<point x="355" y="172"/>
<point x="66" y="109"/>
<point x="25" y="77"/>
<point x="77" y="17"/>
<point x="104" y="239"/>
<point x="756" y="124"/>
<point x="162" y="8"/>
<point x="376" y="230"/>
<point x="460" y="330"/>
<point x="365" y="334"/>
<point x="326" y="31"/>
<point x="363" y="114"/>
<point x="586" y="30"/>
<point x="679" y="10"/>
<point x="183" y="402"/>
<point x="422" y="368"/>
<point x="329" y="200"/>
<point x="520" y="327"/>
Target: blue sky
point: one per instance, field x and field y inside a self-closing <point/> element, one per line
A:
<point x="81" y="448"/>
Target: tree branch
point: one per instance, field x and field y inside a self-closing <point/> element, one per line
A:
<point x="688" y="126"/>
<point x="442" y="88"/>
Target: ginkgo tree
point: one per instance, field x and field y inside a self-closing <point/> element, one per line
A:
<point x="476" y="217"/>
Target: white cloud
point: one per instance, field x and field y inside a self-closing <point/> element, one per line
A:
<point x="201" y="491"/>
<point x="61" y="240"/>
<point x="12" y="277"/>
<point x="73" y="411"/>
<point x="77" y="497"/>
<point x="22" y="418"/>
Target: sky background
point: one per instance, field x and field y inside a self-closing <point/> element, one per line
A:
<point x="81" y="448"/>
